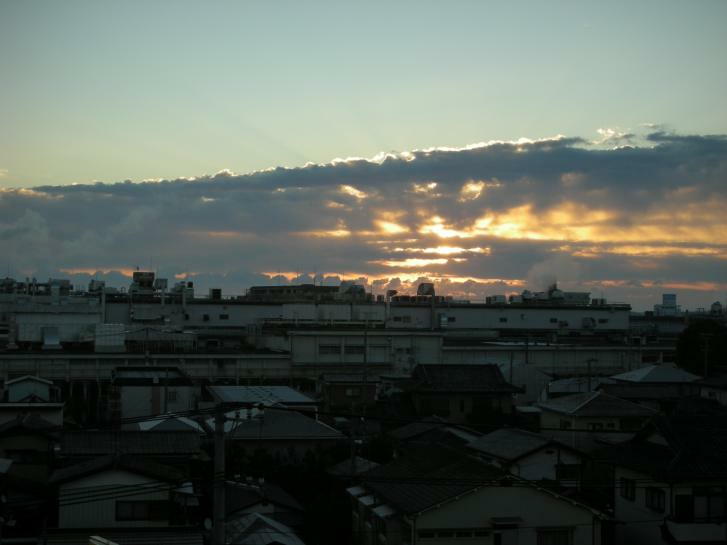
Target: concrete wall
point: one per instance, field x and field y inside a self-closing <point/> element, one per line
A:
<point x="149" y="400"/>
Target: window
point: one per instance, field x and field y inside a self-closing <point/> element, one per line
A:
<point x="595" y="426"/>
<point x="709" y="503"/>
<point x="627" y="488"/>
<point x="142" y="510"/>
<point x="353" y="349"/>
<point x="171" y="395"/>
<point x="329" y="349"/>
<point x="554" y="320"/>
<point x="655" y="498"/>
<point x="426" y="534"/>
<point x="398" y="319"/>
<point x="555" y="536"/>
<point x="406" y="319"/>
<point x="503" y="320"/>
<point x="224" y="316"/>
<point x="205" y="317"/>
<point x="565" y="424"/>
<point x="353" y="392"/>
<point x="461" y="405"/>
<point x="603" y="320"/>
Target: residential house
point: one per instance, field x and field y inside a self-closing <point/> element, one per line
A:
<point x="531" y="456"/>
<point x="180" y="449"/>
<point x="31" y="395"/>
<point x="469" y="393"/>
<point x="29" y="442"/>
<point x="714" y="388"/>
<point x="582" y="420"/>
<point x="347" y="390"/>
<point x="439" y="496"/>
<point x="123" y="499"/>
<point x="284" y="433"/>
<point x="266" y="396"/>
<point x="657" y="386"/>
<point x="259" y="529"/>
<point x="670" y="481"/>
<point x="432" y="430"/>
<point x="147" y="391"/>
<point x="250" y="495"/>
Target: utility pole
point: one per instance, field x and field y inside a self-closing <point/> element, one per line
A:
<point x="706" y="338"/>
<point x="218" y="525"/>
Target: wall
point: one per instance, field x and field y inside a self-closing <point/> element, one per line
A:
<point x="101" y="513"/>
<point x="536" y="509"/>
<point x="148" y="400"/>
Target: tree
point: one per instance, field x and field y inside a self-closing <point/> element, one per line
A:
<point x="702" y="347"/>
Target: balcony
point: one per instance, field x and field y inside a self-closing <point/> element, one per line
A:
<point x="691" y="532"/>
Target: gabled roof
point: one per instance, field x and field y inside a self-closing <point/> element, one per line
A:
<point x="510" y="444"/>
<point x="657" y="373"/>
<point x="282" y="424"/>
<point x="456" y="378"/>
<point x="595" y="404"/>
<point x="689" y="447"/>
<point x="241" y="495"/>
<point x="424" y="478"/>
<point x="146" y="443"/>
<point x="29" y="378"/>
<point x="31" y="422"/>
<point x="258" y="529"/>
<point x="132" y="464"/>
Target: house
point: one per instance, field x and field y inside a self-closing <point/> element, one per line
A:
<point x="440" y="496"/>
<point x="432" y="430"/>
<point x="266" y="396"/>
<point x="250" y="496"/>
<point x="259" y="529"/>
<point x="530" y="455"/>
<point x="669" y="481"/>
<point x="473" y="393"/>
<point x="284" y="433"/>
<point x="581" y="420"/>
<point x="714" y="388"/>
<point x="29" y="442"/>
<point x="31" y="395"/>
<point x="346" y="390"/>
<point x="146" y="391"/>
<point x="657" y="386"/>
<point x="117" y="496"/>
<point x="181" y="449"/>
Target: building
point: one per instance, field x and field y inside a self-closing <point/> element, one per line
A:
<point x="583" y="420"/>
<point x="440" y="496"/>
<point x="461" y="393"/>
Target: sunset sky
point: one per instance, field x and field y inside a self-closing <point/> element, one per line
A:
<point x="489" y="147"/>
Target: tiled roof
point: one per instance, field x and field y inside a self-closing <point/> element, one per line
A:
<point x="415" y="429"/>
<point x="30" y="422"/>
<point x="475" y="378"/>
<point x="267" y="395"/>
<point x="344" y="469"/>
<point x="147" y="443"/>
<point x="650" y="391"/>
<point x="695" y="449"/>
<point x="595" y="404"/>
<point x="425" y="478"/>
<point x="509" y="443"/>
<point x="657" y="373"/>
<point x="133" y="464"/>
<point x="259" y="529"/>
<point x="279" y="424"/>
<point x="243" y="495"/>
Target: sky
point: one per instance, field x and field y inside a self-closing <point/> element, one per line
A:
<point x="487" y="146"/>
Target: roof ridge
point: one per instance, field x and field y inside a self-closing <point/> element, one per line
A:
<point x="591" y="397"/>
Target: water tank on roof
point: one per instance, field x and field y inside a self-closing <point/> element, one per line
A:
<point x="425" y="288"/>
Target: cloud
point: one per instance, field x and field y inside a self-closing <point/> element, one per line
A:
<point x="489" y="217"/>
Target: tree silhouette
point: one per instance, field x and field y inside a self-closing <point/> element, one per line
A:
<point x="702" y="347"/>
